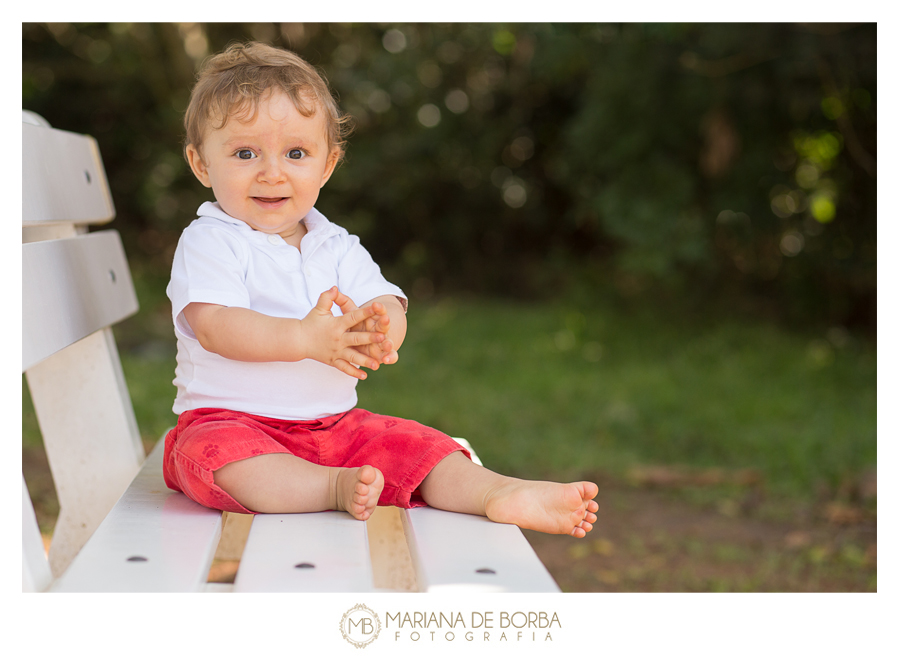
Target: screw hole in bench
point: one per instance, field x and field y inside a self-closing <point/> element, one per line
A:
<point x="486" y="571"/>
<point x="88" y="176"/>
<point x="112" y="276"/>
<point x="305" y="565"/>
<point x="137" y="558"/>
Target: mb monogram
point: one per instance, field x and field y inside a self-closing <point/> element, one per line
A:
<point x="360" y="626"/>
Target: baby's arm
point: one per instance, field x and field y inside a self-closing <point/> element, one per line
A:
<point x="245" y="335"/>
<point x="389" y="319"/>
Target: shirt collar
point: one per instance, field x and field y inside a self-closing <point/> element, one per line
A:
<point x="317" y="225"/>
<point x="214" y="210"/>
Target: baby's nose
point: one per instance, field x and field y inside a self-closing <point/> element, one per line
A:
<point x="271" y="170"/>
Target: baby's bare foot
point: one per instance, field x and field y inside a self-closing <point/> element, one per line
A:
<point x="358" y="490"/>
<point x="551" y="507"/>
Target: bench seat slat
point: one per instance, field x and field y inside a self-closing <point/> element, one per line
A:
<point x="70" y="289"/>
<point x="331" y="549"/>
<point x="460" y="552"/>
<point x="169" y="539"/>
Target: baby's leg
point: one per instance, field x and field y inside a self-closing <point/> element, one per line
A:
<point x="285" y="484"/>
<point x="458" y="485"/>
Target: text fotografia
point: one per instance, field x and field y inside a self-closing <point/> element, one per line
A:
<point x="478" y="626"/>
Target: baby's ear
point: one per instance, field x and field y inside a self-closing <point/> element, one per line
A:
<point x="195" y="160"/>
<point x="333" y="158"/>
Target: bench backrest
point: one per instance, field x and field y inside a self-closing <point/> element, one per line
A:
<point x="75" y="286"/>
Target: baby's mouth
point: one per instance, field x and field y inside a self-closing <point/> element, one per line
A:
<point x="270" y="201"/>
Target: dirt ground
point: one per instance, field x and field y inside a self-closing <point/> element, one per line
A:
<point x="668" y="530"/>
<point x="683" y="535"/>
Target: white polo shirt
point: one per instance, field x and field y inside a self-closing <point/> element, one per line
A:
<point x="221" y="260"/>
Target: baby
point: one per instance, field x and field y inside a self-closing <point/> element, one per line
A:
<point x="276" y="312"/>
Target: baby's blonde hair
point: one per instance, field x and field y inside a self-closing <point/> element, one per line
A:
<point x="232" y="83"/>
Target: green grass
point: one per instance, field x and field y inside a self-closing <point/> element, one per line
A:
<point x="546" y="391"/>
<point x="556" y="392"/>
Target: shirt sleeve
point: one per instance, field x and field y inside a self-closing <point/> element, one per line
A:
<point x="209" y="267"/>
<point x="360" y="278"/>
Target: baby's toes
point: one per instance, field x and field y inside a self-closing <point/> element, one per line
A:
<point x="358" y="508"/>
<point x="366" y="475"/>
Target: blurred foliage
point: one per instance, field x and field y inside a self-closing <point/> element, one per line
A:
<point x="730" y="164"/>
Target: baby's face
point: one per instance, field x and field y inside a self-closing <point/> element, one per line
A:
<point x="267" y="172"/>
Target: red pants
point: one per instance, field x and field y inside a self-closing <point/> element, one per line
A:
<point x="204" y="440"/>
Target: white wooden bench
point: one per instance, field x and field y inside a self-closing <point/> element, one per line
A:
<point x="119" y="527"/>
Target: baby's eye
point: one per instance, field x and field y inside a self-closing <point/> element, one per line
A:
<point x="245" y="154"/>
<point x="296" y="154"/>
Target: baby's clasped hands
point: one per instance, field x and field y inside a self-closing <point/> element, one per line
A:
<point x="339" y="341"/>
<point x="384" y="352"/>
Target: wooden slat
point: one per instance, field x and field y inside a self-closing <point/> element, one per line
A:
<point x="154" y="540"/>
<point x="317" y="552"/>
<point x="392" y="568"/>
<point x="70" y="289"/>
<point x="463" y="552"/>
<point x="62" y="178"/>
